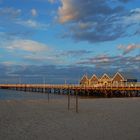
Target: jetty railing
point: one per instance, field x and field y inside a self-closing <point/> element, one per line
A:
<point x="120" y="86"/>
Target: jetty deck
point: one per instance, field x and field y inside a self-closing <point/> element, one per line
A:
<point x="118" y="90"/>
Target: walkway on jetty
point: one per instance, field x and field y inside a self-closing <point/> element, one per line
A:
<point x="106" y="91"/>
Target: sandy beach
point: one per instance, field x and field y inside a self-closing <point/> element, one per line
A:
<point x="98" y="119"/>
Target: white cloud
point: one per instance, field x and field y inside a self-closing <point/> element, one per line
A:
<point x="129" y="48"/>
<point x="137" y="10"/>
<point x="101" y="59"/>
<point x="67" y="11"/>
<point x="8" y="63"/>
<point x="137" y="58"/>
<point x="86" y="25"/>
<point x="32" y="24"/>
<point x="52" y="1"/>
<point x="133" y="17"/>
<point x="10" y="12"/>
<point x="27" y="45"/>
<point x="34" y="12"/>
<point x="125" y="63"/>
<point x="43" y="58"/>
<point x="24" y="51"/>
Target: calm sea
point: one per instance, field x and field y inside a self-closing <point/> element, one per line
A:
<point x="12" y="95"/>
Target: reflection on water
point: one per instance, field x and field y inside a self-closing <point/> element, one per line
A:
<point x="12" y="95"/>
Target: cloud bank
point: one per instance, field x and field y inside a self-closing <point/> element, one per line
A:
<point x="27" y="45"/>
<point x="129" y="48"/>
<point x="98" y="21"/>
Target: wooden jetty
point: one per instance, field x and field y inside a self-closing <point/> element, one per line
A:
<point x="126" y="90"/>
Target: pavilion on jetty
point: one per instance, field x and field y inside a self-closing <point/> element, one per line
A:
<point x="106" y="80"/>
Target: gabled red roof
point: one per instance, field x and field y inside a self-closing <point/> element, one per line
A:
<point x="118" y="74"/>
<point x="105" y="75"/>
<point x="84" y="78"/>
<point x="94" y="77"/>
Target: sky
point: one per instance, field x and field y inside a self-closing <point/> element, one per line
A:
<point x="63" y="39"/>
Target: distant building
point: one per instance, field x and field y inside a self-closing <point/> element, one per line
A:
<point x="93" y="80"/>
<point x="84" y="80"/>
<point x="105" y="80"/>
<point x="117" y="79"/>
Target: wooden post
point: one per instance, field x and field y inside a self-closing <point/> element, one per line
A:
<point x="68" y="99"/>
<point x="48" y="96"/>
<point x="25" y="88"/>
<point x="76" y="101"/>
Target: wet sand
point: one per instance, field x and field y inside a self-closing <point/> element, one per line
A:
<point x="98" y="119"/>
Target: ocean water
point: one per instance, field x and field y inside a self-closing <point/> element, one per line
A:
<point x="19" y="95"/>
